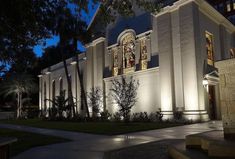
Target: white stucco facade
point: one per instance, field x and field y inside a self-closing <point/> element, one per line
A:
<point x="168" y="56"/>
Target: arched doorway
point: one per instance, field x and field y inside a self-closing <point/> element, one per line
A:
<point x="212" y="95"/>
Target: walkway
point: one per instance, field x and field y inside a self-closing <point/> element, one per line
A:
<point x="88" y="146"/>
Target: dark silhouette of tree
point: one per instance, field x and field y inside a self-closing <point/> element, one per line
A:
<point x="18" y="85"/>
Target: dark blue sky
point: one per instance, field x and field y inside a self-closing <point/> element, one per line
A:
<point x="38" y="49"/>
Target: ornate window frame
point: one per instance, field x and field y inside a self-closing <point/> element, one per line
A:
<point x="210" y="48"/>
<point x="127" y="42"/>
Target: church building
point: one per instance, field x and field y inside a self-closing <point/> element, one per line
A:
<point x="172" y="54"/>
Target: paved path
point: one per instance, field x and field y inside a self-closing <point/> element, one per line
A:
<point x="88" y="146"/>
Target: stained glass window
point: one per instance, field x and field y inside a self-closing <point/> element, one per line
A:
<point x="143" y="54"/>
<point x="209" y="48"/>
<point x="128" y="49"/>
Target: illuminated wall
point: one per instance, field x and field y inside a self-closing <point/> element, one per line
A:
<point x="148" y="92"/>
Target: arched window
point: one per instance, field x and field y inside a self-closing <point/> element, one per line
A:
<point x="45" y="94"/>
<point x="128" y="52"/>
<point x="61" y="84"/>
<point x="115" y="61"/>
<point x="53" y="90"/>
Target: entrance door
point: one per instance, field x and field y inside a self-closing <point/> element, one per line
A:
<point x="212" y="103"/>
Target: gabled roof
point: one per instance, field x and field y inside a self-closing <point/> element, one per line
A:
<point x="93" y="18"/>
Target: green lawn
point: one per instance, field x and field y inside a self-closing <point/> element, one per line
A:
<point x="27" y="140"/>
<point x="107" y="128"/>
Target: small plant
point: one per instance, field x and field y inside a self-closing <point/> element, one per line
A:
<point x="140" y="117"/>
<point x="152" y="117"/>
<point x="105" y="115"/>
<point x="178" y="114"/>
<point x="95" y="100"/>
<point x="159" y="115"/>
<point x="117" y="117"/>
<point x="59" y="106"/>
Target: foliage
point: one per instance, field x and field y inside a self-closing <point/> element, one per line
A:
<point x="140" y="117"/>
<point x="159" y="115"/>
<point x="124" y="94"/>
<point x="59" y="106"/>
<point x="23" y="24"/>
<point x="105" y="115"/>
<point x="110" y="9"/>
<point x="51" y="56"/>
<point x="95" y="98"/>
<point x="145" y="117"/>
<point x="18" y="85"/>
<point x="117" y="117"/>
<point x="178" y="114"/>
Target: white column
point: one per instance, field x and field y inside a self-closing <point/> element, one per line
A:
<point x="166" y="63"/>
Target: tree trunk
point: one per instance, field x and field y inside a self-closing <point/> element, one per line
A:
<point x="70" y="94"/>
<point x="83" y="93"/>
<point x="18" y="106"/>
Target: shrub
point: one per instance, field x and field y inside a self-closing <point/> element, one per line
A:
<point x="105" y="115"/>
<point x="159" y="115"/>
<point x="140" y="117"/>
<point x="178" y="114"/>
<point x="95" y="100"/>
<point x="117" y="117"/>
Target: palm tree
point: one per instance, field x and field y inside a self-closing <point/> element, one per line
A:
<point x="69" y="28"/>
<point x="18" y="85"/>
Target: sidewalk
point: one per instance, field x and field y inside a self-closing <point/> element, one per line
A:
<point x="88" y="146"/>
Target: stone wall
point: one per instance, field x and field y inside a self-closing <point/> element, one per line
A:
<point x="227" y="95"/>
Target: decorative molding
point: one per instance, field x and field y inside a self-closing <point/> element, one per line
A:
<point x="204" y="7"/>
<point x="94" y="42"/>
<point x="144" y="34"/>
<point x="125" y="32"/>
<point x="136" y="73"/>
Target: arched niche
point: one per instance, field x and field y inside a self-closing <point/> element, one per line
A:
<point x="127" y="43"/>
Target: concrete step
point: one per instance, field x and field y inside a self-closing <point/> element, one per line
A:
<point x="179" y="151"/>
<point x="213" y="143"/>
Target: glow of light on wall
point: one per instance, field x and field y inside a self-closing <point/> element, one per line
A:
<point x="165" y="102"/>
<point x="144" y="96"/>
<point x="191" y="98"/>
<point x="166" y="98"/>
<point x="205" y="82"/>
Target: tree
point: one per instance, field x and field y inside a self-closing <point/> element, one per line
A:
<point x="24" y="61"/>
<point x="18" y="85"/>
<point x="95" y="98"/>
<point x="124" y="94"/>
<point x="23" y="24"/>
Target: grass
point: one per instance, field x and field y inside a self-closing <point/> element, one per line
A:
<point x="27" y="140"/>
<point x="106" y="128"/>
